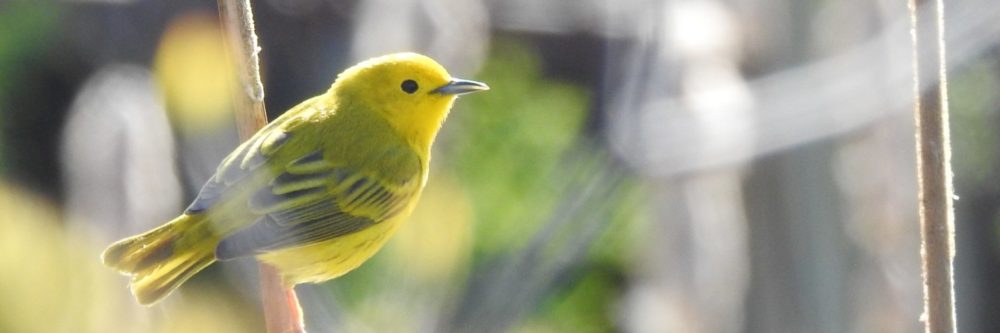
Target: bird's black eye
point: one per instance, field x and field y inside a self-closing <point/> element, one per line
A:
<point x="409" y="86"/>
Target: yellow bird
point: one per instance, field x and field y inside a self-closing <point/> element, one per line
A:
<point x="314" y="193"/>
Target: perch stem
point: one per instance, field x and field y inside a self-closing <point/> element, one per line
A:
<point x="934" y="166"/>
<point x="282" y="313"/>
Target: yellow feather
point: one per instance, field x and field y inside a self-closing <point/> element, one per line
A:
<point x="316" y="192"/>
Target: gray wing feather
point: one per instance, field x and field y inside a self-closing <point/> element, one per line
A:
<point x="236" y="167"/>
<point x="310" y="215"/>
<point x="324" y="221"/>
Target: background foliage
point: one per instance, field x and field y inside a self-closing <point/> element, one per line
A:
<point x="643" y="166"/>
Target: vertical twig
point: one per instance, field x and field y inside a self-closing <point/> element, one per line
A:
<point x="934" y="166"/>
<point x="281" y="308"/>
<point x="237" y="19"/>
<point x="282" y="313"/>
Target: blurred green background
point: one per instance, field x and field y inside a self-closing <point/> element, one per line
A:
<point x="638" y="166"/>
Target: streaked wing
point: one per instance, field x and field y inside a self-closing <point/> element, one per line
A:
<point x="312" y="202"/>
<point x="244" y="161"/>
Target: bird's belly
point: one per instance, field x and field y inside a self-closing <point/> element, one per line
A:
<point x="331" y="258"/>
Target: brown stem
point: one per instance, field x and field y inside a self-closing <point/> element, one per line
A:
<point x="237" y="19"/>
<point x="282" y="313"/>
<point x="934" y="167"/>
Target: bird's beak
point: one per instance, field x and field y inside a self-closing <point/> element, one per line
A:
<point x="460" y="87"/>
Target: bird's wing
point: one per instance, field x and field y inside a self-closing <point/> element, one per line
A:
<point x="313" y="201"/>
<point x="247" y="159"/>
<point x="306" y="200"/>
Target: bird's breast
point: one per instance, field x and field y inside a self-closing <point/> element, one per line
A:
<point x="332" y="258"/>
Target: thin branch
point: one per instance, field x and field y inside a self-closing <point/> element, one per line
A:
<point x="242" y="39"/>
<point x="934" y="168"/>
<point x="282" y="313"/>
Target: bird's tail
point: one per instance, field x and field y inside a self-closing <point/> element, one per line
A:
<point x="161" y="259"/>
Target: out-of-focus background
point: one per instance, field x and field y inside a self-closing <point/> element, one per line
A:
<point x="639" y="166"/>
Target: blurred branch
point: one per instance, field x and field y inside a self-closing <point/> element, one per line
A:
<point x="500" y="296"/>
<point x="934" y="166"/>
<point x="815" y="101"/>
<point x="281" y="308"/>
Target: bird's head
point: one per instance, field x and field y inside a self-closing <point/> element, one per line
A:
<point x="411" y="91"/>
